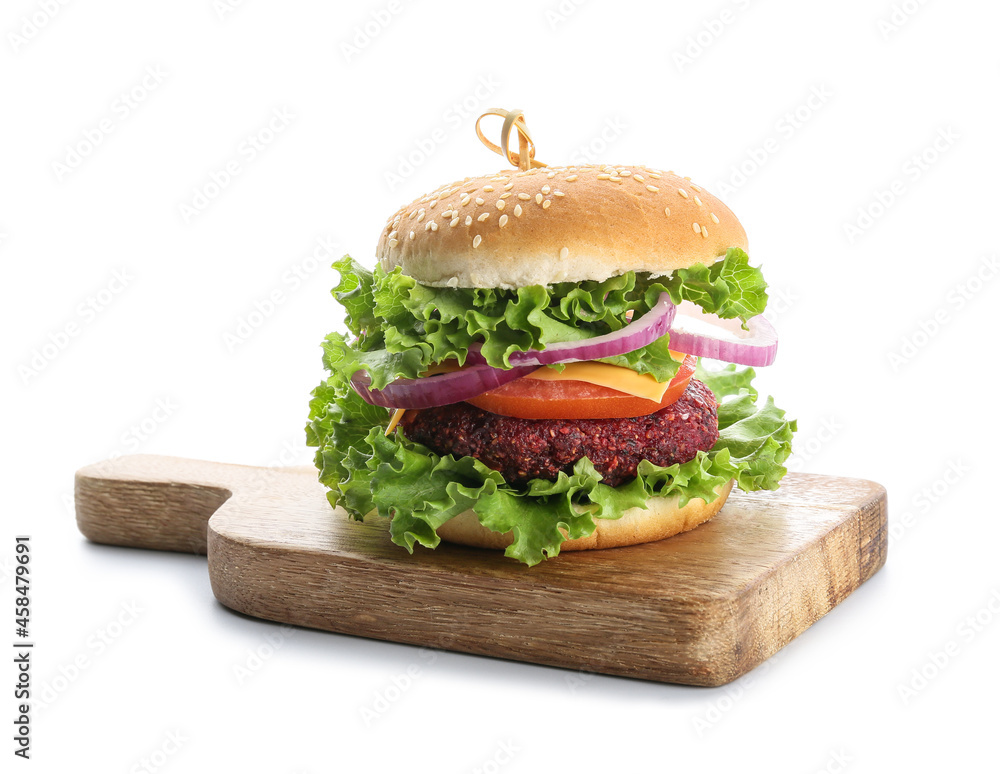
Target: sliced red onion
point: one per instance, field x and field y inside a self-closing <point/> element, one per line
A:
<point x="707" y="335"/>
<point x="440" y="390"/>
<point x="647" y="329"/>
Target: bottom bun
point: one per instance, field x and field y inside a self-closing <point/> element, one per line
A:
<point x="661" y="518"/>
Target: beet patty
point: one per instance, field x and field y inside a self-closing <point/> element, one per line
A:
<point x="523" y="449"/>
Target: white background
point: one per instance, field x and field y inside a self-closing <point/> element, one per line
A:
<point x="886" y="310"/>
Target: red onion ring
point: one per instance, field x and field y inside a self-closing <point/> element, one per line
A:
<point x="637" y="334"/>
<point x="441" y="390"/>
<point x="707" y="335"/>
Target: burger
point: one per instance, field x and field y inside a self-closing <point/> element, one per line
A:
<point x="522" y="365"/>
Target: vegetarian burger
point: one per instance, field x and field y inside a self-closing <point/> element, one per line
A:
<point x="522" y="367"/>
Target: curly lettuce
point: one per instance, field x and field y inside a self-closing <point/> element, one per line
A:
<point x="367" y="471"/>
<point x="401" y="327"/>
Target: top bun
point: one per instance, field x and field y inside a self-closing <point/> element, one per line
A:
<point x="557" y="224"/>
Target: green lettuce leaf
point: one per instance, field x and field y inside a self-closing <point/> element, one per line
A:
<point x="419" y="490"/>
<point x="402" y="326"/>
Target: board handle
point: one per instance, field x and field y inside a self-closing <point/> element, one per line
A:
<point x="164" y="503"/>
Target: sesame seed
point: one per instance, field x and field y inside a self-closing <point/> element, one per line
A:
<point x="392" y="234"/>
<point x="571" y="178"/>
<point x="682" y="192"/>
<point x="704" y="232"/>
<point x="488" y="188"/>
<point x="655" y="176"/>
<point x="477" y="240"/>
<point x="427" y="225"/>
<point x="508" y="186"/>
<point x="517" y="210"/>
<point x="546" y="204"/>
<point x="433" y="203"/>
<point x="524" y="196"/>
<point x="420" y="216"/>
<point x="433" y="225"/>
<point x="412" y="235"/>
<point x="604" y="177"/>
<point x="640" y="178"/>
<point x="615" y="179"/>
<point x="503" y="221"/>
<point x="480" y="200"/>
<point x="505" y="195"/>
<point x="625" y="172"/>
<point x="697" y="201"/>
<point x="564" y="253"/>
<point x="666" y="211"/>
<point x="501" y="204"/>
<point x="696" y="188"/>
<point x="715" y="218"/>
<point x="413" y="213"/>
<point x="468" y="220"/>
<point x="558" y="193"/>
<point x="551" y="175"/>
<point x="538" y="198"/>
<point x="652" y="189"/>
<point x="545" y="190"/>
<point x="697" y="228"/>
<point x="393" y="242"/>
<point x="465" y="199"/>
<point x="483" y="217"/>
<point x="454" y="221"/>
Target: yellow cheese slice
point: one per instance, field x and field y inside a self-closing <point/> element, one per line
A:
<point x="616" y="377"/>
<point x="603" y="374"/>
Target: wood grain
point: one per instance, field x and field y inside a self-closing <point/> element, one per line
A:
<point x="701" y="608"/>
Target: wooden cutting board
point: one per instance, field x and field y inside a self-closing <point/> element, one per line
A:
<point x="701" y="608"/>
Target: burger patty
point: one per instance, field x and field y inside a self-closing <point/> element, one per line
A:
<point x="523" y="449"/>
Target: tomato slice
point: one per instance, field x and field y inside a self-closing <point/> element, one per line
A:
<point x="569" y="399"/>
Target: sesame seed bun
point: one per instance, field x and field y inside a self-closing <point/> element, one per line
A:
<point x="557" y="224"/>
<point x="662" y="518"/>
